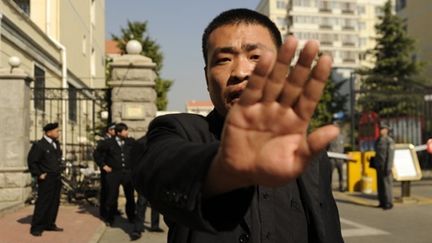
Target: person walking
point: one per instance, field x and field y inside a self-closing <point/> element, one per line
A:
<point x="44" y="162"/>
<point x="384" y="147"/>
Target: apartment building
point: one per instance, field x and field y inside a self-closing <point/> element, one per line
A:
<point x="416" y="17"/>
<point x="345" y="28"/>
<point x="61" y="44"/>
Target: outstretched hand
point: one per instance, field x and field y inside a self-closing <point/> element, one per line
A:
<point x="265" y="139"/>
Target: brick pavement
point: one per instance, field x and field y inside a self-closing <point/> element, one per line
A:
<point x="80" y="224"/>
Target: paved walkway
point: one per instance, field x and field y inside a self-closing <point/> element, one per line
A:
<point x="80" y="224"/>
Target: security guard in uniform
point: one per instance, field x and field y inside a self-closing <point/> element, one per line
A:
<point x="113" y="156"/>
<point x="44" y="162"/>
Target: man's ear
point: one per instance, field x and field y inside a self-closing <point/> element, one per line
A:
<point x="205" y="74"/>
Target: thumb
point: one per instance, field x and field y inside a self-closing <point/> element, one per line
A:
<point x="321" y="137"/>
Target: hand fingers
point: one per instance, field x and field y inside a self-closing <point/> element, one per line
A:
<point x="300" y="74"/>
<point x="321" y="137"/>
<point x="254" y="88"/>
<point x="312" y="91"/>
<point x="277" y="77"/>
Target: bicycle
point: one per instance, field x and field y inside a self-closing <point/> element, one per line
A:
<point x="80" y="183"/>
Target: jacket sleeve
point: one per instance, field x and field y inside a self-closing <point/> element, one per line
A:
<point x="34" y="157"/>
<point x="172" y="173"/>
<point x="99" y="153"/>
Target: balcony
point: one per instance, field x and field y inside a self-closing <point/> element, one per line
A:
<point x="325" y="10"/>
<point x="326" y="43"/>
<point x="348" y="44"/>
<point x="326" y="27"/>
<point x="348" y="27"/>
<point x="348" y="60"/>
<point x="347" y="11"/>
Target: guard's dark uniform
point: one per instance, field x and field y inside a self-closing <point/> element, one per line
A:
<point x="45" y="158"/>
<point x="117" y="156"/>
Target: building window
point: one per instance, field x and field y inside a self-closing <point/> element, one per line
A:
<point x="24" y="5"/>
<point x="281" y="4"/>
<point x="400" y="4"/>
<point x="39" y="88"/>
<point x="72" y="94"/>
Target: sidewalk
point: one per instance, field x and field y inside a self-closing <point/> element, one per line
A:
<point x="80" y="224"/>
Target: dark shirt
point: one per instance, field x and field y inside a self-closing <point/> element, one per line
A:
<point x="171" y="174"/>
<point x="44" y="158"/>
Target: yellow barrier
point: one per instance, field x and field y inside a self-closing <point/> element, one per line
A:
<point x="361" y="178"/>
<point x="354" y="172"/>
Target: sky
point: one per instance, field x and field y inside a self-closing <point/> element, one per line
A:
<point x="177" y="27"/>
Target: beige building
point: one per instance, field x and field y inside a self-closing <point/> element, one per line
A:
<point x="201" y="107"/>
<point x="417" y="20"/>
<point x="62" y="45"/>
<point x="345" y="28"/>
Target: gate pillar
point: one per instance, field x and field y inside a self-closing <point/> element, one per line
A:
<point x="15" y="180"/>
<point x="133" y="95"/>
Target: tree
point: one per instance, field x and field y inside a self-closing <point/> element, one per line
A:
<point x="138" y="31"/>
<point x="332" y="101"/>
<point x="395" y="69"/>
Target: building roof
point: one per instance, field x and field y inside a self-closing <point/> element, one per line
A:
<point x="111" y="47"/>
<point x="199" y="103"/>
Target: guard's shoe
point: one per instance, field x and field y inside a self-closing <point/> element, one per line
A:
<point x="54" y="228"/>
<point x="135" y="235"/>
<point x="36" y="233"/>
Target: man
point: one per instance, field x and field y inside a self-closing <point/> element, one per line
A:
<point x="113" y="156"/>
<point x="248" y="172"/>
<point x="141" y="206"/>
<point x="384" y="161"/>
<point x="337" y="146"/>
<point x="109" y="132"/>
<point x="44" y="162"/>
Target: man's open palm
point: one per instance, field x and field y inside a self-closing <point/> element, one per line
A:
<point x="265" y="139"/>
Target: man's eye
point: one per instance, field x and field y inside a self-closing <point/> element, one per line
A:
<point x="222" y="60"/>
<point x="255" y="57"/>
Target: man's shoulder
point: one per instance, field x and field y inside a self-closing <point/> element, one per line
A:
<point x="179" y="119"/>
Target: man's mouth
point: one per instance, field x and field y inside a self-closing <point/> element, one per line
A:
<point x="234" y="96"/>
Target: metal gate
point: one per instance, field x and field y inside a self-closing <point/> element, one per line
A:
<point x="81" y="113"/>
<point x="408" y="112"/>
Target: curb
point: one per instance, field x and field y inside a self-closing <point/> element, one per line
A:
<point x="98" y="234"/>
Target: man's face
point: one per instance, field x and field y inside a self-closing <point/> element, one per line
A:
<point x="233" y="51"/>
<point x="123" y="134"/>
<point x="53" y="134"/>
<point x="111" y="132"/>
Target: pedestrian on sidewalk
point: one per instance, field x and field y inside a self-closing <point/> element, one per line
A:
<point x="384" y="146"/>
<point x="250" y="171"/>
<point x="141" y="207"/>
<point x="337" y="146"/>
<point x="44" y="162"/>
<point x="109" y="133"/>
<point x="114" y="158"/>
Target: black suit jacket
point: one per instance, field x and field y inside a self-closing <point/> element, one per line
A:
<point x="172" y="172"/>
<point x="44" y="158"/>
<point x="109" y="152"/>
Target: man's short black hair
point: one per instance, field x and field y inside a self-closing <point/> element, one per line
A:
<point x="120" y="127"/>
<point x="239" y="16"/>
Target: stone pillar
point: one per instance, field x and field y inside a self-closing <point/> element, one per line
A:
<point x="133" y="95"/>
<point x="15" y="179"/>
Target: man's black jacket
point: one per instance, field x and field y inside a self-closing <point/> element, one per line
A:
<point x="172" y="171"/>
<point x="44" y="158"/>
<point x="109" y="152"/>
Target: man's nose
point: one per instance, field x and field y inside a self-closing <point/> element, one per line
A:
<point x="242" y="69"/>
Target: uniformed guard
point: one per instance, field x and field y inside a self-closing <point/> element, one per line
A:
<point x="44" y="162"/>
<point x="113" y="156"/>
